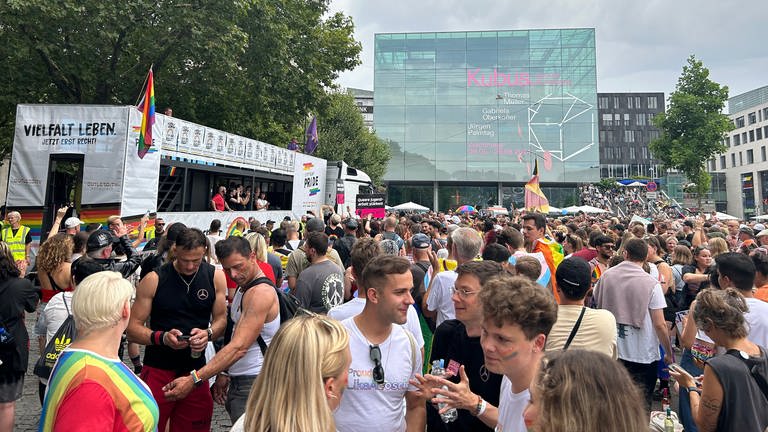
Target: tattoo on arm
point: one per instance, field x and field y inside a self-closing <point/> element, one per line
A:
<point x="711" y="404"/>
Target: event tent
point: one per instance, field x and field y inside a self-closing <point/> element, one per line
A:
<point x="411" y="206"/>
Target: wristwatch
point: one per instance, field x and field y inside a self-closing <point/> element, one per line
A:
<point x="210" y="334"/>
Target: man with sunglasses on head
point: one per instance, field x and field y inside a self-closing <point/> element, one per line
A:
<point x="385" y="356"/>
<point x="473" y="389"/>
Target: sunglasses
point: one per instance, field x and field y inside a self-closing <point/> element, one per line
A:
<point x="462" y="292"/>
<point x="378" y="369"/>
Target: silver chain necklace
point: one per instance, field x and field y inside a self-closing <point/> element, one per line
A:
<point x="188" y="284"/>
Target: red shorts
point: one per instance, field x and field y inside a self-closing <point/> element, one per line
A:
<point x="193" y="413"/>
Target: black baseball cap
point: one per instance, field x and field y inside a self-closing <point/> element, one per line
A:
<point x="574" y="277"/>
<point x="100" y="239"/>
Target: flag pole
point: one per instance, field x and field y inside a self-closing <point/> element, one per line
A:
<point x="144" y="86"/>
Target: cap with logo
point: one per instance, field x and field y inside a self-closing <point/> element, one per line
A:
<point x="72" y="222"/>
<point x="100" y="239"/>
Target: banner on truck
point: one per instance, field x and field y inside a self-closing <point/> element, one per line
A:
<point x="372" y="204"/>
<point x="308" y="184"/>
<point x="97" y="132"/>
<point x="140" y="184"/>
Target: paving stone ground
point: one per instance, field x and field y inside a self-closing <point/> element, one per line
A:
<point x="28" y="407"/>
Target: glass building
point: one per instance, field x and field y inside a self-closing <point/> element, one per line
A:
<point x="466" y="114"/>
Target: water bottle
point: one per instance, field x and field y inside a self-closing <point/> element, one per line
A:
<point x="669" y="423"/>
<point x="438" y="369"/>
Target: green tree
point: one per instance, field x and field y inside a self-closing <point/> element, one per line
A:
<point x="694" y="125"/>
<point x="343" y="136"/>
<point x="251" y="67"/>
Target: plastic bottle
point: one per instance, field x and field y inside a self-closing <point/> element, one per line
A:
<point x="669" y="423"/>
<point x="438" y="369"/>
<point x="665" y="399"/>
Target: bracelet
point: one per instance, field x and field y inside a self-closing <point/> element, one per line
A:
<point x="156" y="338"/>
<point x="225" y="373"/>
<point x="196" y="381"/>
<point x="694" y="389"/>
<point x="479" y="407"/>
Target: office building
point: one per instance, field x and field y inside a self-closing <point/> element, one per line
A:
<point x="364" y="101"/>
<point x="466" y="114"/>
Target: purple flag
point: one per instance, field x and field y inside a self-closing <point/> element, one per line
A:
<point x="311" y="143"/>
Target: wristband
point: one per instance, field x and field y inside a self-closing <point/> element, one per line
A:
<point x="482" y="409"/>
<point x="196" y="381"/>
<point x="694" y="390"/>
<point x="156" y="338"/>
<point x="162" y="338"/>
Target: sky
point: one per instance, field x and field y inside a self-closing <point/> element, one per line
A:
<point x="641" y="45"/>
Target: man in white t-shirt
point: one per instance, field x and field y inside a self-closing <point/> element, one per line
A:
<point x="437" y="301"/>
<point x="517" y="316"/>
<point x="385" y="356"/>
<point x="737" y="270"/>
<point x="635" y="299"/>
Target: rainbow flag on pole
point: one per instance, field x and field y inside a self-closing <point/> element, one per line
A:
<point x="535" y="200"/>
<point x="147" y="108"/>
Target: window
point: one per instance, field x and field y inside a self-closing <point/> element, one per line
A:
<point x="741" y="158"/>
<point x="650" y="118"/>
<point x="752" y="118"/>
<point x="637" y="102"/>
<point x="640" y="119"/>
<point x="618" y="153"/>
<point x="607" y="120"/>
<point x="652" y="135"/>
<point x="740" y="122"/>
<point x="765" y="131"/>
<point x="751" y="136"/>
<point x="629" y="136"/>
<point x="737" y="140"/>
<point x="733" y="159"/>
<point x="750" y="156"/>
<point x="629" y="102"/>
<point x="727" y="141"/>
<point x="608" y="153"/>
<point x="602" y="102"/>
<point x="617" y="119"/>
<point x="631" y="153"/>
<point x="711" y="165"/>
<point x="743" y="137"/>
<point x="762" y="153"/>
<point x="722" y="162"/>
<point x="615" y="102"/>
<point x="653" y="103"/>
<point x="602" y="136"/>
<point x="758" y="133"/>
<point x="644" y="152"/>
<point x="626" y="119"/>
<point x="765" y="113"/>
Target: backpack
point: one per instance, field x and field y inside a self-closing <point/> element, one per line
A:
<point x="287" y="302"/>
<point x="61" y="339"/>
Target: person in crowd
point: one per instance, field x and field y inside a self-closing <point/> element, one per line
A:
<point x="100" y="245"/>
<point x="736" y="270"/>
<point x="497" y="253"/>
<point x="18" y="296"/>
<point x="79" y="242"/>
<point x="390" y="223"/>
<point x="517" y="317"/>
<point x="259" y="249"/>
<point x="384" y="355"/>
<point x="218" y="201"/>
<point x="184" y="304"/>
<point x="344" y="243"/>
<point x="19" y="240"/>
<point x="680" y="257"/>
<point x="717" y="246"/>
<point x="472" y="389"/>
<point x="153" y="236"/>
<point x="730" y="397"/>
<point x="420" y="251"/>
<point x="298" y="260"/>
<point x="90" y="388"/>
<point x="214" y="236"/>
<point x="579" y="327"/>
<point x="261" y="203"/>
<point x="465" y="247"/>
<point x="760" y="260"/>
<point x="320" y="286"/>
<point x="53" y="265"/>
<point x="534" y="228"/>
<point x="572" y="244"/>
<point x="256" y="314"/>
<point x="116" y="225"/>
<point x="528" y="266"/>
<point x="589" y="251"/>
<point x="696" y="275"/>
<point x="333" y="230"/>
<point x="569" y="393"/>
<point x="636" y="301"/>
<point x="164" y="253"/>
<point x="309" y="356"/>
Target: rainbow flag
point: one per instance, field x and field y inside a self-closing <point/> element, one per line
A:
<point x="535" y="200"/>
<point x="147" y="108"/>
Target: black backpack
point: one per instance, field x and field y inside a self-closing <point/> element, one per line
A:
<point x="288" y="304"/>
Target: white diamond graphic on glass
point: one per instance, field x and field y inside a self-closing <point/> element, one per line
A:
<point x="548" y="121"/>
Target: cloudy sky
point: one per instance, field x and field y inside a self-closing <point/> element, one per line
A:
<point x="641" y="45"/>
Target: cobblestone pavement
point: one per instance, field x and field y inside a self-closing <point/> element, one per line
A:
<point x="28" y="407"/>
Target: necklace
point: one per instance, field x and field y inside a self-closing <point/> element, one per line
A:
<point x="188" y="284"/>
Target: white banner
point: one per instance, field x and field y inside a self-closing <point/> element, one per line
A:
<point x="171" y="131"/>
<point x="97" y="132"/>
<point x="202" y="220"/>
<point x="308" y="184"/>
<point x="140" y="186"/>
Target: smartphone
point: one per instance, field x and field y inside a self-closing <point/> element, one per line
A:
<point x="183" y="337"/>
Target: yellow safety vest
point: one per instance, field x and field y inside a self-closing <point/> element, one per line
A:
<point x="16" y="243"/>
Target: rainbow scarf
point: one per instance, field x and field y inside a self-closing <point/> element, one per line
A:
<point x="147" y="108"/>
<point x="134" y="405"/>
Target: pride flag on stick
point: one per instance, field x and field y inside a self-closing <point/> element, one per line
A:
<point x="147" y="108"/>
<point x="535" y="200"/>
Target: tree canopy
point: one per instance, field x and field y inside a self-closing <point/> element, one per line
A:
<point x="251" y="67"/>
<point x="343" y="136"/>
<point x="693" y="127"/>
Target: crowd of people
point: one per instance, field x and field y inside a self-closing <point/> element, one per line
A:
<point x="436" y="321"/>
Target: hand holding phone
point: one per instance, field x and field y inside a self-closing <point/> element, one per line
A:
<point x="184" y="338"/>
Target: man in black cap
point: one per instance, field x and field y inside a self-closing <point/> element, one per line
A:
<point x="298" y="261"/>
<point x="344" y="245"/>
<point x="99" y="248"/>
<point x="577" y="326"/>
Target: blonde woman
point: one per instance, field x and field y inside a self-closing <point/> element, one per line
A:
<point x="89" y="376"/>
<point x="302" y="380"/>
<point x="578" y="390"/>
<point x="717" y="246"/>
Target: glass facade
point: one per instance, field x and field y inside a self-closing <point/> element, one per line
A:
<point x="480" y="107"/>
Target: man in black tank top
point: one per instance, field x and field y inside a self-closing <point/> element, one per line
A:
<point x="184" y="302"/>
<point x="256" y="312"/>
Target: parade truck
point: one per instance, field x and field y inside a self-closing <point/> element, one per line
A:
<point x="343" y="185"/>
<point x="85" y="158"/>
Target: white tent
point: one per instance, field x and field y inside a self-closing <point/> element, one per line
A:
<point x="585" y="209"/>
<point x="411" y="206"/>
<point x="555" y="210"/>
<point x="723" y="216"/>
<point x="761" y="217"/>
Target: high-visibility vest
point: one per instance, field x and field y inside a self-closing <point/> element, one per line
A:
<point x="16" y="243"/>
